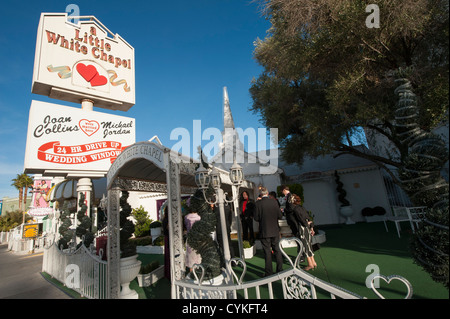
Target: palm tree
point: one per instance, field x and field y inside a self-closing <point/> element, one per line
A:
<point x="22" y="182"/>
<point x="27" y="184"/>
<point x="17" y="183"/>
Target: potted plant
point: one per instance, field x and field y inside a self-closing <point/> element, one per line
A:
<point x="129" y="265"/>
<point x="249" y="249"/>
<point x="373" y="214"/>
<point x="155" y="229"/>
<point x="142" y="225"/>
<point x="346" y="210"/>
<point x="150" y="274"/>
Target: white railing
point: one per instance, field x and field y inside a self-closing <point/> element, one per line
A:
<point x="78" y="268"/>
<point x="21" y="245"/>
<point x="296" y="284"/>
<point x="4" y="236"/>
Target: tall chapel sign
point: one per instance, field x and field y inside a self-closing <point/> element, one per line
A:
<point x="83" y="60"/>
<point x="76" y="62"/>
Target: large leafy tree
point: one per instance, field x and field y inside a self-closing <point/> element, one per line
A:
<point x="326" y="73"/>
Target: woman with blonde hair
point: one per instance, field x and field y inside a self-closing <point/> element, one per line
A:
<point x="305" y="231"/>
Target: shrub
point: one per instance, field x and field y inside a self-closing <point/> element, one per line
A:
<point x="155" y="224"/>
<point x="378" y="210"/>
<point x="146" y="269"/>
<point x="159" y="241"/>
<point x="142" y="226"/>
<point x="246" y="244"/>
<point x="294" y="189"/>
<point x="126" y="227"/>
<point x="11" y="220"/>
<point x="142" y="241"/>
<point x="367" y="211"/>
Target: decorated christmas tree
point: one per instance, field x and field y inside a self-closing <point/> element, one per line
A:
<point x="127" y="248"/>
<point x="422" y="180"/>
<point x="83" y="230"/>
<point x="199" y="237"/>
<point x="64" y="230"/>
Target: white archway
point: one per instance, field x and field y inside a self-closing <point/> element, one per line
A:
<point x="145" y="166"/>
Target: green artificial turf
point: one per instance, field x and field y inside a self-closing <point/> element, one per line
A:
<point x="342" y="260"/>
<point x="351" y="249"/>
<point x="350" y="254"/>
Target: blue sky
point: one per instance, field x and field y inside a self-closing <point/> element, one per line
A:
<point x="185" y="53"/>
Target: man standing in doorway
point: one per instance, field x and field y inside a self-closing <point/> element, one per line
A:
<point x="267" y="213"/>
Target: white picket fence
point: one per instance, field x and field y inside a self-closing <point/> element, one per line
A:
<point x="4" y="237"/>
<point x="77" y="268"/>
<point x="20" y="245"/>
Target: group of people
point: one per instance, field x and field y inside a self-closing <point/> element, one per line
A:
<point x="267" y="211"/>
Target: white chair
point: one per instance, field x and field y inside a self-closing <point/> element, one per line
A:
<point x="400" y="214"/>
<point x="413" y="215"/>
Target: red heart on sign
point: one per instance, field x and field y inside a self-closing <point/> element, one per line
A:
<point x="87" y="72"/>
<point x="98" y="80"/>
<point x="89" y="127"/>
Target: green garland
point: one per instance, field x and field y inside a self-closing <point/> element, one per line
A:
<point x="422" y="181"/>
<point x="127" y="247"/>
<point x="199" y="237"/>
<point x="83" y="230"/>
<point x="64" y="230"/>
<point x="341" y="191"/>
<point x="85" y="223"/>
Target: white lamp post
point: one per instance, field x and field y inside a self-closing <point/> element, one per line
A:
<point x="203" y="180"/>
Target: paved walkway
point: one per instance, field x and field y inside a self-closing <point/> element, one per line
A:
<point x="20" y="277"/>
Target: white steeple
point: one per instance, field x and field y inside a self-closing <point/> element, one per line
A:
<point x="230" y="138"/>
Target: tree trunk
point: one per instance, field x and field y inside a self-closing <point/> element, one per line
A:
<point x="20" y="199"/>
<point x="25" y="198"/>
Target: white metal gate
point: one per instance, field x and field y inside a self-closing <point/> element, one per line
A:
<point x="78" y="268"/>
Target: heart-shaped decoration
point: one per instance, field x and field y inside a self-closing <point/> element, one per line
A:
<point x="87" y="72"/>
<point x="388" y="281"/>
<point x="91" y="75"/>
<point x="98" y="80"/>
<point x="241" y="263"/>
<point x="89" y="127"/>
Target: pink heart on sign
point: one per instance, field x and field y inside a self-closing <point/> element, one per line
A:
<point x="89" y="127"/>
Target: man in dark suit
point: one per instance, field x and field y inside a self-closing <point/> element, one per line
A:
<point x="267" y="213"/>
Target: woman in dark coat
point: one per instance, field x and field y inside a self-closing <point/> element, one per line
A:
<point x="247" y="209"/>
<point x="305" y="231"/>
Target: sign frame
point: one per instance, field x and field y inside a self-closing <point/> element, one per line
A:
<point x="28" y="228"/>
<point x="83" y="60"/>
<point x="72" y="142"/>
